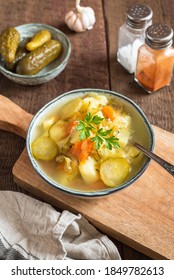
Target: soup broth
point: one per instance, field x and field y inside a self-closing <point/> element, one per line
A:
<point x="85" y="144"/>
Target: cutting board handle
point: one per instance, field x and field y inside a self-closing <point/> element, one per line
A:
<point x="13" y="118"/>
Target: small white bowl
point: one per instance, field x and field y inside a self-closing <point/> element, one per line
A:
<point x="50" y="71"/>
<point x="144" y="135"/>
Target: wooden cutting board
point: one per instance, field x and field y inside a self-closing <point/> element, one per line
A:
<point x="141" y="216"/>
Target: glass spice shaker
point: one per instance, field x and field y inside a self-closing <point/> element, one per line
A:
<point x="131" y="35"/>
<point x="155" y="58"/>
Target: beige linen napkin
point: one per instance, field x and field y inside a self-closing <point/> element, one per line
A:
<point x="31" y="229"/>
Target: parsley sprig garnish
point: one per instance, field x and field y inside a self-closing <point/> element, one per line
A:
<point x="88" y="126"/>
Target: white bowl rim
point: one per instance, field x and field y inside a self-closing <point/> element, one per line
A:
<point x="89" y="194"/>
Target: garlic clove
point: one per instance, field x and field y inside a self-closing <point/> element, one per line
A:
<point x="88" y="18"/>
<point x="69" y="15"/>
<point x="78" y="27"/>
<point x="70" y="18"/>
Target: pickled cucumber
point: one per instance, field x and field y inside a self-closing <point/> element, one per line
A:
<point x="70" y="108"/>
<point x="44" y="148"/>
<point x="113" y="171"/>
<point x="9" y="41"/>
<point x="21" y="52"/>
<point x="132" y="151"/>
<point x="38" y="40"/>
<point x="36" y="60"/>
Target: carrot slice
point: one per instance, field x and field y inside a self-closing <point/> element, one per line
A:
<point x="76" y="149"/>
<point x="109" y="112"/>
<point x="82" y="149"/>
<point x="70" y="127"/>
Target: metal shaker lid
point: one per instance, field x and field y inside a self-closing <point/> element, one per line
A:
<point x="138" y="16"/>
<point x="159" y="36"/>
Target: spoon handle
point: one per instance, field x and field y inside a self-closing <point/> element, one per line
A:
<point x="166" y="165"/>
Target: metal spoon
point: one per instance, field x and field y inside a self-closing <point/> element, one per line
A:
<point x="166" y="165"/>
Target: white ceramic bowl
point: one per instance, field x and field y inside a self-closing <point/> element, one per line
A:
<point x="50" y="71"/>
<point x="144" y="133"/>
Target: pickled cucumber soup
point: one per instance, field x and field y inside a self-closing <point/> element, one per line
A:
<point x="85" y="144"/>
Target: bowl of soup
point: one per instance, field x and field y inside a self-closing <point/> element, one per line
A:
<point x="81" y="142"/>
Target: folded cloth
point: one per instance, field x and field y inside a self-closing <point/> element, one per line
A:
<point x="32" y="230"/>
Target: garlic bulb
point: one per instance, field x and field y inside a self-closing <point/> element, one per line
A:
<point x="81" y="18"/>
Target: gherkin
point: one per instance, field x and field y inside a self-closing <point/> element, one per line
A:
<point x="40" y="38"/>
<point x="9" y="41"/>
<point x="20" y="53"/>
<point x="36" y="60"/>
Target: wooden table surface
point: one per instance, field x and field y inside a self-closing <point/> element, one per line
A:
<point x="92" y="65"/>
